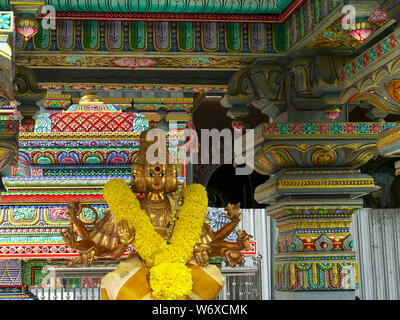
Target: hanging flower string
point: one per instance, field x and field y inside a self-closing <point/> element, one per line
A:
<point x="170" y="278"/>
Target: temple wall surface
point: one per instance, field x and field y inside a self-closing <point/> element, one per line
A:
<point x="376" y="234"/>
<point x="261" y="226"/>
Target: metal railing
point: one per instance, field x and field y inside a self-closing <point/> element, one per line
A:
<point x="71" y="284"/>
<point x="241" y="283"/>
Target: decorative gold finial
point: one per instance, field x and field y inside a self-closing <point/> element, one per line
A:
<point x="90" y="97"/>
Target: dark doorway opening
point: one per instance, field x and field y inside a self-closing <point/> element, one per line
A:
<point x="226" y="187"/>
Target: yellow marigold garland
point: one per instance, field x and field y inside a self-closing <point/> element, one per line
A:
<point x="170" y="281"/>
<point x="170" y="278"/>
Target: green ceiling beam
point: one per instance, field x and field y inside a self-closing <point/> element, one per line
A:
<point x="168" y="6"/>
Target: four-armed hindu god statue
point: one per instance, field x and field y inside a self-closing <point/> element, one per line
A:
<point x="171" y="238"/>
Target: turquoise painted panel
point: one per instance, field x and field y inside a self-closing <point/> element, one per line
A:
<point x="385" y="46"/>
<point x="92" y="160"/>
<point x="281" y="39"/>
<point x="25" y="213"/>
<point x="90" y="36"/>
<point x="138" y="35"/>
<point x="233" y="36"/>
<point x="372" y="54"/>
<point x="44" y="160"/>
<point x="4" y="5"/>
<point x="186" y="36"/>
<point x="316" y="11"/>
<point x="42" y="39"/>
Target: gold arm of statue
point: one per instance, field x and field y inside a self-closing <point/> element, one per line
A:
<point x="232" y="212"/>
<point x="105" y="237"/>
<point x="211" y="244"/>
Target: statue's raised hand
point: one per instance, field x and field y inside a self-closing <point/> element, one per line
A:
<point x="232" y="212"/>
<point x="126" y="234"/>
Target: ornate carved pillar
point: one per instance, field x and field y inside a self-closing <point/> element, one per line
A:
<point x="313" y="190"/>
<point x="311" y="159"/>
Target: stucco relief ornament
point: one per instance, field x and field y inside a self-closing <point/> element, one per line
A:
<point x="134" y="63"/>
<point x="167" y="229"/>
<point x="378" y="16"/>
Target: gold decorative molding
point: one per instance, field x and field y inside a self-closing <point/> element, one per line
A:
<point x="326" y="183"/>
<point x="389" y="137"/>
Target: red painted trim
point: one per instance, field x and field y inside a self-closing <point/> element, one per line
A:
<point x="13" y="286"/>
<point x="44" y="256"/>
<point x="252" y="252"/>
<point x="68" y="253"/>
<point x="187" y="17"/>
<point x="40" y="255"/>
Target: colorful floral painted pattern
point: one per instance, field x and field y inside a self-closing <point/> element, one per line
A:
<point x="325" y="128"/>
<point x="374" y="53"/>
<point x="95" y="122"/>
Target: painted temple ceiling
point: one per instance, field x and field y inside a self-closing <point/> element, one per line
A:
<point x="89" y="36"/>
<point x="136" y="44"/>
<point x="82" y="38"/>
<point x="239" y="37"/>
<point x="274" y="10"/>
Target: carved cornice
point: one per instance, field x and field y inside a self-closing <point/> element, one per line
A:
<point x="134" y="87"/>
<point x="319" y="145"/>
<point x="371" y="60"/>
<point x="281" y="186"/>
<point x="174" y="16"/>
<point x="380" y="88"/>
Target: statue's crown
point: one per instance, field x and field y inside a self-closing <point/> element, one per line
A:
<point x="142" y="156"/>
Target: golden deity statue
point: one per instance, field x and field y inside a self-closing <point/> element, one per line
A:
<point x="136" y="277"/>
